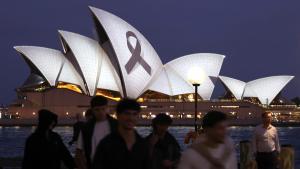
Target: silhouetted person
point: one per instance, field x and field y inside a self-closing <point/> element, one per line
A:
<point x="44" y="148"/>
<point x="93" y="131"/>
<point x="76" y="129"/>
<point x="88" y="115"/>
<point x="125" y="148"/>
<point x="213" y="149"/>
<point x="265" y="144"/>
<point x="164" y="149"/>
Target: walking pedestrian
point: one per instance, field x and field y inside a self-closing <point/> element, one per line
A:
<point x="214" y="150"/>
<point x="44" y="148"/>
<point x="163" y="147"/>
<point x="265" y="144"/>
<point x="125" y="148"/>
<point x="98" y="127"/>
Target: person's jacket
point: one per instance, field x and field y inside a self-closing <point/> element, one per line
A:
<point x="87" y="134"/>
<point x="166" y="148"/>
<point x="43" y="152"/>
<point x="76" y="131"/>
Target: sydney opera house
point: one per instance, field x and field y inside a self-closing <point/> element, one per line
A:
<point x="122" y="63"/>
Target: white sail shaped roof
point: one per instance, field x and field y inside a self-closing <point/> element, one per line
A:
<point x="266" y="89"/>
<point x="108" y="77"/>
<point x="88" y="57"/>
<point x="235" y="86"/>
<point x="52" y="64"/>
<point x="177" y="72"/>
<point x="133" y="66"/>
<point x="137" y="59"/>
<point x="170" y="83"/>
<point x="69" y="74"/>
<point x="48" y="61"/>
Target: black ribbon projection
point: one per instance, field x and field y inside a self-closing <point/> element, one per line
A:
<point x="136" y="55"/>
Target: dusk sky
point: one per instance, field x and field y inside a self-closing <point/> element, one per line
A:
<point x="259" y="37"/>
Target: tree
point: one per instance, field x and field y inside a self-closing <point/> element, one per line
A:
<point x="296" y="100"/>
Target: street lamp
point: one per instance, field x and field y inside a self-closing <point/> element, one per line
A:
<point x="196" y="77"/>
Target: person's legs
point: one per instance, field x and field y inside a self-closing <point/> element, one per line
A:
<point x="266" y="161"/>
<point x="261" y="161"/>
<point x="273" y="161"/>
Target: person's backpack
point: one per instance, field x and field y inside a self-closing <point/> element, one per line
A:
<point x="216" y="163"/>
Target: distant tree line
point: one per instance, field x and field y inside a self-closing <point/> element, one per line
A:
<point x="296" y="100"/>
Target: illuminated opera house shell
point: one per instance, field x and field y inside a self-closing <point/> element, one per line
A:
<point x="265" y="89"/>
<point x="122" y="60"/>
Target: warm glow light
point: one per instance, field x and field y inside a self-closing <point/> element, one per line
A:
<point x="109" y="97"/>
<point x="140" y="99"/>
<point x="196" y="75"/>
<point x="69" y="86"/>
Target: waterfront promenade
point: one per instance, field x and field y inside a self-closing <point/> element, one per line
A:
<point x="13" y="139"/>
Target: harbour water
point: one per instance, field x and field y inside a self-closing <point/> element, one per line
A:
<point x="12" y="139"/>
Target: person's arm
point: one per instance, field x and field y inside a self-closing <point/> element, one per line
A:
<point x="80" y="158"/>
<point x="28" y="159"/>
<point x="185" y="161"/>
<point x="254" y="143"/>
<point x="232" y="161"/>
<point x="100" y="160"/>
<point x="74" y="133"/>
<point x="277" y="144"/>
<point x="152" y="140"/>
<point x="175" y="152"/>
<point x="65" y="155"/>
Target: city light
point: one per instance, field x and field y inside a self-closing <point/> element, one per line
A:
<point x="196" y="75"/>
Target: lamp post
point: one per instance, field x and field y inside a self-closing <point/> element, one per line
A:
<point x="196" y="85"/>
<point x="196" y="77"/>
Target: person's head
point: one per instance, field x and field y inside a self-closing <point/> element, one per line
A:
<point x="99" y="107"/>
<point x="88" y="114"/>
<point x="215" y="126"/>
<point x="266" y="118"/>
<point x="161" y="123"/>
<point x="47" y="120"/>
<point x="78" y="117"/>
<point x="127" y="113"/>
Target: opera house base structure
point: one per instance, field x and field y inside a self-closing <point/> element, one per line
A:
<point x="67" y="104"/>
<point x="120" y="63"/>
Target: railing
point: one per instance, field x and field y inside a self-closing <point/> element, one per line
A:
<point x="287" y="156"/>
